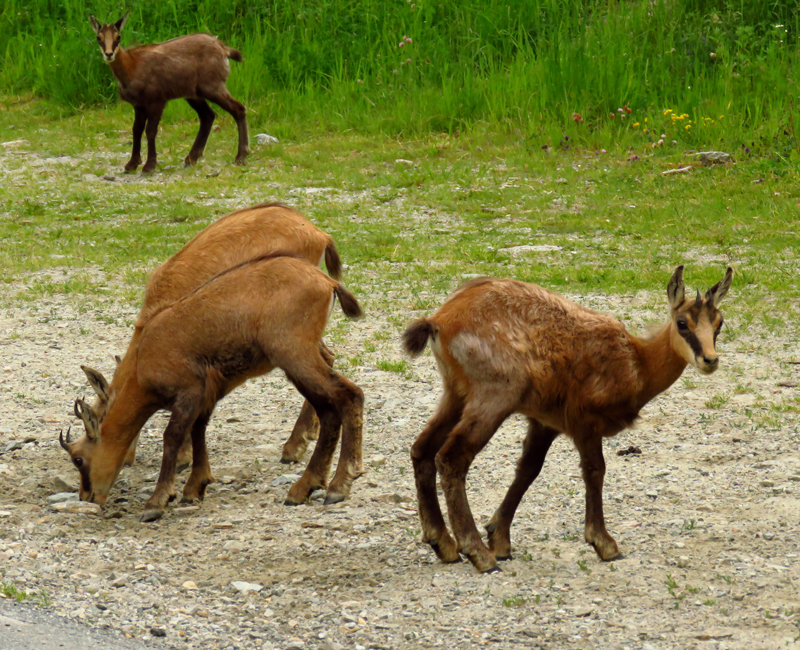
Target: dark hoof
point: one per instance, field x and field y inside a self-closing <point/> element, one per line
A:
<point x="172" y="498"/>
<point x="503" y="558"/>
<point x="240" y="160"/>
<point x="285" y="460"/>
<point x="194" y="501"/>
<point x="289" y="502"/>
<point x="151" y="515"/>
<point x="494" y="569"/>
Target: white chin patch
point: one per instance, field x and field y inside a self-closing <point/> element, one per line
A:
<point x="111" y="58"/>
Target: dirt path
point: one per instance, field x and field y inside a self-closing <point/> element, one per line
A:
<point x="706" y="516"/>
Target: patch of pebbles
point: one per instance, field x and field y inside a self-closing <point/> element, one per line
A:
<point x="706" y="515"/>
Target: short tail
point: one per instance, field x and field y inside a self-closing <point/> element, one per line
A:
<point x="348" y="301"/>
<point x="332" y="261"/>
<point x="416" y="336"/>
<point x="236" y="55"/>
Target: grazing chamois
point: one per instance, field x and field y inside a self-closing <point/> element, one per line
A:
<point x="264" y="314"/>
<point x="236" y="238"/>
<point x="506" y="347"/>
<point x="193" y="68"/>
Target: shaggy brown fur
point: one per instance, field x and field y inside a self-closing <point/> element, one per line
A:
<point x="262" y="315"/>
<point x="506" y="347"/>
<point x="232" y="240"/>
<point x="193" y="68"/>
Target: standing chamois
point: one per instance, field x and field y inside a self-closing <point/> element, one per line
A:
<point x="506" y="347"/>
<point x="193" y="68"/>
<point x="236" y="238"/>
<point x="264" y="314"/>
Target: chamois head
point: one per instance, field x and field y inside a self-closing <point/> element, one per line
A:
<point x="696" y="322"/>
<point x="108" y="36"/>
<point x="96" y="477"/>
<point x="97" y="473"/>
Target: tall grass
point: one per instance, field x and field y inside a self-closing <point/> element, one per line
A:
<point x="410" y="67"/>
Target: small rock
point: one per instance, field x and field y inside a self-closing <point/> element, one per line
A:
<point x="233" y="545"/>
<point x="630" y="451"/>
<point x="77" y="507"/>
<point x="61" y="497"/>
<point x="377" y="461"/>
<point x="14" y="445"/>
<point x="332" y="645"/>
<point x="683" y="561"/>
<point x="158" y="631"/>
<point x="61" y="484"/>
<point x="110" y="178"/>
<point x="285" y="479"/>
<point x="246" y="587"/>
<point x="189" y="585"/>
<point x="263" y="138"/>
<point x="766" y="483"/>
<point x="653" y="494"/>
<point x="120" y="581"/>
<point x="713" y="157"/>
<point x="515" y="251"/>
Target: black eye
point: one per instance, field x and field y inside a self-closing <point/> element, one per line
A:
<point x="682" y="325"/>
<point x="78" y="462"/>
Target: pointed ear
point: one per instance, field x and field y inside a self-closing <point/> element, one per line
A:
<point x="675" y="288"/>
<point x="86" y="414"/>
<point x="95" y="25"/>
<point x="98" y="382"/>
<point x="716" y="293"/>
<point x="117" y="360"/>
<point x="121" y="22"/>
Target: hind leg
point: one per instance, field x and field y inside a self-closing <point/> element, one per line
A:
<point x="130" y="456"/>
<point x="195" y="488"/>
<point x="423" y="453"/>
<point x="350" y="404"/>
<point x="206" y="116"/>
<point x="139" y="122"/>
<point x="306" y="428"/>
<point x="537" y="443"/>
<point x="223" y="99"/>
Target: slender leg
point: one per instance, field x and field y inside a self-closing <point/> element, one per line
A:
<point x="476" y="427"/>
<point x="195" y="488"/>
<point x="350" y="404"/>
<point x="139" y="121"/>
<point x="423" y="453"/>
<point x="223" y="99"/>
<point x="593" y="467"/>
<point x="151" y="131"/>
<point x="537" y="444"/>
<point x="306" y="428"/>
<point x="177" y="429"/>
<point x="206" y="116"/>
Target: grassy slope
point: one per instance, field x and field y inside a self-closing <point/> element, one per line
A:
<point x="411" y="217"/>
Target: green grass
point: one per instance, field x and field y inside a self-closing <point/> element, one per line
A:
<point x="413" y="68"/>
<point x="409" y="234"/>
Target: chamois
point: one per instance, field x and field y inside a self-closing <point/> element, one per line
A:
<point x="506" y="347"/>
<point x="193" y="68"/>
<point x="238" y="237"/>
<point x="263" y="314"/>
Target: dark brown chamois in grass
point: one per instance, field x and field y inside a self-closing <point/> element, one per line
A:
<point x="506" y="347"/>
<point x="264" y="314"/>
<point x="236" y="238"/>
<point x="193" y="68"/>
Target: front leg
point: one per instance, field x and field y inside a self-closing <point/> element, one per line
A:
<point x="174" y="434"/>
<point x="139" y="122"/>
<point x="153" y="118"/>
<point x="593" y="467"/>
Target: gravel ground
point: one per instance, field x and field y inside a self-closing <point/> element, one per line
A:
<point x="706" y="516"/>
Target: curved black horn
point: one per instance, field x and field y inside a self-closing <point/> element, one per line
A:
<point x="698" y="301"/>
<point x="61" y="439"/>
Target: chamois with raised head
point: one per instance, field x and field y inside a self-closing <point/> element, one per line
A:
<point x="506" y="347"/>
<point x="236" y="238"/>
<point x="193" y="68"/>
<point x="264" y="314"/>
